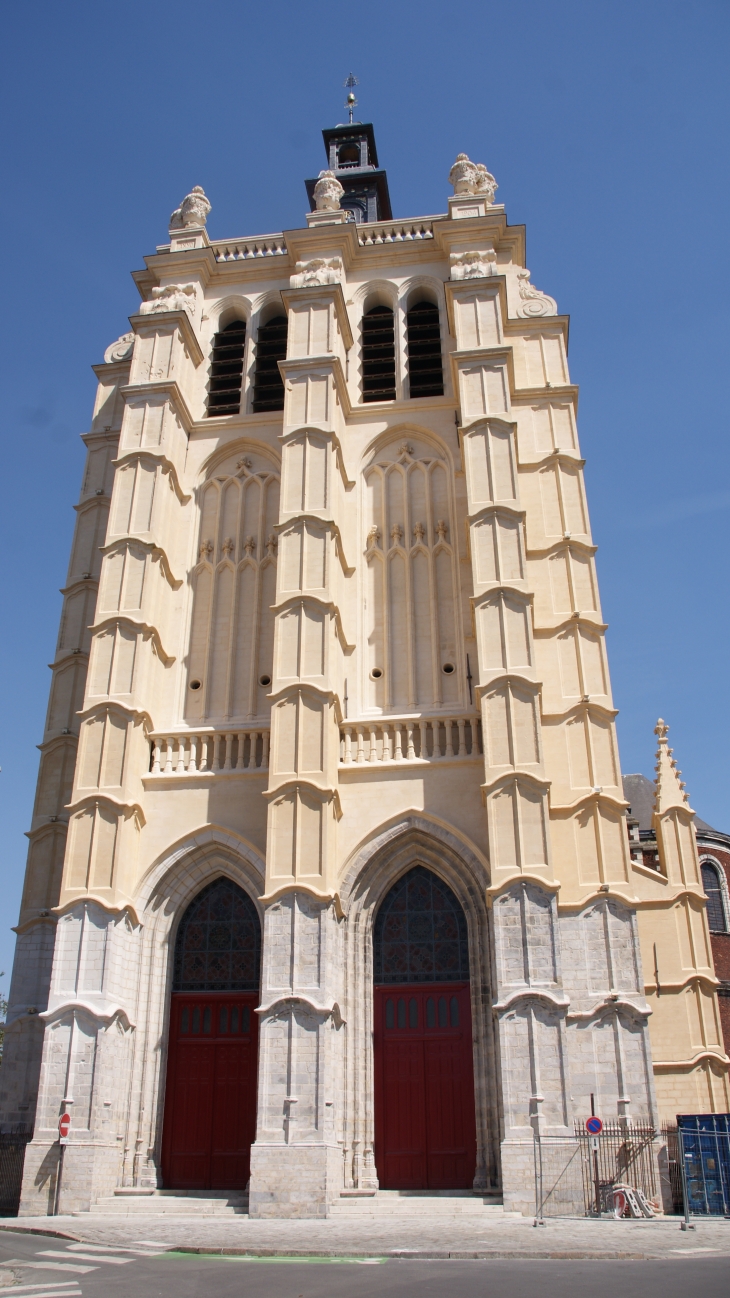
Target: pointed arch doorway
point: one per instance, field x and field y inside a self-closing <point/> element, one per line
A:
<point x="210" y="1096"/>
<point x="425" y="1130"/>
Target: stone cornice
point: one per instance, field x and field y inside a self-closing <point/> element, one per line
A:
<point x="322" y="293"/>
<point x="126" y="809"/>
<point x="528" y="991"/>
<point x="167" y="466"/>
<point x="155" y="320"/>
<point x="156" y="551"/>
<point x="148" y="631"/>
<point x="168" y="388"/>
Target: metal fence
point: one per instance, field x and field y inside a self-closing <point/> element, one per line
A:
<point x="576" y="1176"/>
<point x="12" y="1157"/>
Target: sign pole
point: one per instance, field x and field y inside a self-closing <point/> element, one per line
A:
<point x="594" y="1127"/>
<point x="686" y="1224"/>
<point x="64" y="1126"/>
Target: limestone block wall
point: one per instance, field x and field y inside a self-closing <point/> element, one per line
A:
<point x="29" y="989"/>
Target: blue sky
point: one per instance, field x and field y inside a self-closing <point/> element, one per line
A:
<point x="606" y="127"/>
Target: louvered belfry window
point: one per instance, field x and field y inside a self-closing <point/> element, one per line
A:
<point x="378" y="355"/>
<point x="226" y="370"/>
<point x="425" y="369"/>
<point x="268" y="388"/>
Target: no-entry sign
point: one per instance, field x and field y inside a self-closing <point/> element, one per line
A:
<point x="594" y="1126"/>
<point x="64" y="1125"/>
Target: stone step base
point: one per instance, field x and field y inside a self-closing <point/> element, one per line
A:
<point x="171" y="1203"/>
<point x="419" y="1203"/>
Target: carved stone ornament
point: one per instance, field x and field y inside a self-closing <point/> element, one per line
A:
<point x="532" y="301"/>
<point x="121" y="350"/>
<point x="173" y="297"/>
<point x="327" y="192"/>
<point x="469" y="177"/>
<point x="319" y="270"/>
<point x="473" y="265"/>
<point x="193" y="210"/>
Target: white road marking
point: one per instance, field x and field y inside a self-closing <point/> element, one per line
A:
<point x="153" y="1243"/>
<point x="88" y="1257"/>
<point x="70" y="1287"/>
<point x="44" y="1292"/>
<point x="49" y="1266"/>
<point x="109" y="1248"/>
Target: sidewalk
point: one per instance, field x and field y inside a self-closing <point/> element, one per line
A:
<point x="422" y="1237"/>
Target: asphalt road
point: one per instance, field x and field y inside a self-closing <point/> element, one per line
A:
<point x="37" y="1266"/>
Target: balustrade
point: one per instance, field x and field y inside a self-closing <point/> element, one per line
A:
<point x="268" y="245"/>
<point x="413" y="739"/>
<point x="395" y="232"/>
<point x="209" y="752"/>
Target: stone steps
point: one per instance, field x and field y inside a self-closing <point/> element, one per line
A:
<point x="172" y="1203"/>
<point x="419" y="1203"/>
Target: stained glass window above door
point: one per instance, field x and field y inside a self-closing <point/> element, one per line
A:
<point x="420" y="932"/>
<point x="218" y="946"/>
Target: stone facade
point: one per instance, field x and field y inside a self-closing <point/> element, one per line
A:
<point x="308" y="649"/>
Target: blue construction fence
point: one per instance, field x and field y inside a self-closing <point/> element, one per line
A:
<point x="703" y="1145"/>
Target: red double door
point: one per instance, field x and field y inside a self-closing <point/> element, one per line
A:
<point x="210" y="1099"/>
<point x="425" y="1131"/>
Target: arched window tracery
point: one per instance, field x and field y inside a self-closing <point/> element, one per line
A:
<point x="420" y="932"/>
<point x="412" y="617"/>
<point x="218" y="944"/>
<point x="714" y="891"/>
<point x="231" y="647"/>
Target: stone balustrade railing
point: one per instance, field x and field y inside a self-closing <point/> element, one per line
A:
<point x="410" y="739"/>
<point x="393" y="232"/>
<point x="267" y="245"/>
<point x="210" y="752"/>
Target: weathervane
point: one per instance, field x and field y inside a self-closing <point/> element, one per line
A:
<point x="351" y="102"/>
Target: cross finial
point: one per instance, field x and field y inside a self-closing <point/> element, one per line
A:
<point x="351" y="102"/>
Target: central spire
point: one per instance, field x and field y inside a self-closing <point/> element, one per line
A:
<point x="353" y="160"/>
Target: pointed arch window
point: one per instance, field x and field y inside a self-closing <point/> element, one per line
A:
<point x="226" y="370"/>
<point x="420" y="933"/>
<point x="425" y="368"/>
<point x="712" y="884"/>
<point x="378" y="354"/>
<point x="218" y="945"/>
<point x="268" y="389"/>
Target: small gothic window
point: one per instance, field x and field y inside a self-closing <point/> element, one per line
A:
<point x="378" y="355"/>
<point x="349" y="154"/>
<point x="424" y="351"/>
<point x="420" y="934"/>
<point x="226" y="370"/>
<point x="218" y="946"/>
<point x="268" y="388"/>
<point x="713" y="891"/>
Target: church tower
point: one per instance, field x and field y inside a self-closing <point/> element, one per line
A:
<point x="329" y="887"/>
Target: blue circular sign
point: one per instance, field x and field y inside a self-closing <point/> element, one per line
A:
<point x="594" y="1125"/>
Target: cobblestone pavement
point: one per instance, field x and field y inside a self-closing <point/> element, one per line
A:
<point x="423" y="1237"/>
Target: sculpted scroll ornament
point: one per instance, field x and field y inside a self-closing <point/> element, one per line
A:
<point x="473" y="265"/>
<point x="469" y="177"/>
<point x="121" y="350"/>
<point x="318" y="270"/>
<point x="532" y="301"/>
<point x="173" y="297"/>
<point x="193" y="210"/>
<point x="327" y="192"/>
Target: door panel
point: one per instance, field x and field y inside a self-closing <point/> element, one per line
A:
<point x="210" y="1101"/>
<point x="425" y="1133"/>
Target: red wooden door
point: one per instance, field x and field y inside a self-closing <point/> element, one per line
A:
<point x="210" y="1100"/>
<point x="425" y="1132"/>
